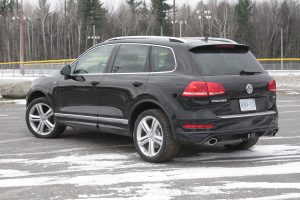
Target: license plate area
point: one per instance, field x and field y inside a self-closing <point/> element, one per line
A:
<point x="247" y="105"/>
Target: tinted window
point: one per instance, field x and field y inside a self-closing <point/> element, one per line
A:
<point x="94" y="61"/>
<point x="131" y="59"/>
<point x="215" y="62"/>
<point x="162" y="59"/>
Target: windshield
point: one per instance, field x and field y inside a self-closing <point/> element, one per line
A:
<point x="220" y="61"/>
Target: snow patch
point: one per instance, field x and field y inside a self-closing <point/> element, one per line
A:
<point x="45" y="152"/>
<point x="258" y="152"/>
<point x="3" y="161"/>
<point x="8" y="173"/>
<point x="150" y="191"/>
<point x="255" y="185"/>
<point x="292" y="93"/>
<point x="81" y="159"/>
<point x="277" y="197"/>
<point x="279" y="138"/>
<point x="18" y="102"/>
<point x="155" y="175"/>
<point x="18" y="78"/>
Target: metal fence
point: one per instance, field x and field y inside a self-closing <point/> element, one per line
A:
<point x="32" y="68"/>
<point x="280" y="64"/>
<point x="46" y="67"/>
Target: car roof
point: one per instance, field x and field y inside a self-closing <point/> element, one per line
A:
<point x="189" y="42"/>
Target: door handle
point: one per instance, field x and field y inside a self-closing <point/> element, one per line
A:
<point x="95" y="83"/>
<point x="137" y="84"/>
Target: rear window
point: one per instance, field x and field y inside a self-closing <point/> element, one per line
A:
<point x="225" y="61"/>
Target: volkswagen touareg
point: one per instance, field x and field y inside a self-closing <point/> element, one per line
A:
<point x="162" y="92"/>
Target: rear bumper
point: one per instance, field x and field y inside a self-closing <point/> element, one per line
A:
<point x="230" y="127"/>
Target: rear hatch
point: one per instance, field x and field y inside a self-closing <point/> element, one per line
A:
<point x="247" y="86"/>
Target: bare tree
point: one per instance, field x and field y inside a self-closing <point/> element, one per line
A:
<point x="44" y="31"/>
<point x="43" y="12"/>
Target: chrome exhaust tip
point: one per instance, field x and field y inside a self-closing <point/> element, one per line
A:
<point x="212" y="141"/>
<point x="274" y="133"/>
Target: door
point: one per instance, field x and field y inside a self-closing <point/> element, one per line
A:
<point x="78" y="97"/>
<point x="125" y="82"/>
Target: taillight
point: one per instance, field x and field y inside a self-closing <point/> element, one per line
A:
<point x="215" y="89"/>
<point x="198" y="126"/>
<point x="272" y="86"/>
<point x="203" y="89"/>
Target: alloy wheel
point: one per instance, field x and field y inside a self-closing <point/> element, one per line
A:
<point x="41" y="119"/>
<point x="149" y="136"/>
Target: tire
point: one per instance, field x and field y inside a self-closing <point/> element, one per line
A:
<point x="164" y="145"/>
<point x="243" y="145"/>
<point x="40" y="119"/>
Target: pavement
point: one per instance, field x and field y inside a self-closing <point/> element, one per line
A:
<point x="89" y="165"/>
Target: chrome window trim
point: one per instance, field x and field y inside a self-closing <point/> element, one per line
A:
<point x="84" y="117"/>
<point x="247" y="115"/>
<point x="85" y="53"/>
<point x="148" y="73"/>
<point x="175" y="67"/>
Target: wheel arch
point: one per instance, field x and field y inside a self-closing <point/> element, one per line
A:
<point x="36" y="94"/>
<point x="142" y="106"/>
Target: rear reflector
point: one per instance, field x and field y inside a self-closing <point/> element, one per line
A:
<point x="203" y="89"/>
<point x="198" y="126"/>
<point x="272" y="86"/>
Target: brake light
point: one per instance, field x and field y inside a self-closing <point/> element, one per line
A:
<point x="203" y="89"/>
<point x="198" y="126"/>
<point x="272" y="86"/>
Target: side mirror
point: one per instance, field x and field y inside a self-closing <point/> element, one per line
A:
<point x="66" y="70"/>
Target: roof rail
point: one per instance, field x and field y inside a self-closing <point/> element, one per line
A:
<point x="172" y="39"/>
<point x="212" y="38"/>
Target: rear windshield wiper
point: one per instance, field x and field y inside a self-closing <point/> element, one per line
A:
<point x="243" y="72"/>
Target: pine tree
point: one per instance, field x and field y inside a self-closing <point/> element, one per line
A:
<point x="4" y="7"/>
<point x="243" y="13"/>
<point x="134" y="5"/>
<point x="12" y="5"/>
<point x="92" y="12"/>
<point x="160" y="8"/>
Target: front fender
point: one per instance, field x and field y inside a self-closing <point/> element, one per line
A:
<point x="42" y="87"/>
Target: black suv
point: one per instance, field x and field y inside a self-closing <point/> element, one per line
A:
<point x="161" y="91"/>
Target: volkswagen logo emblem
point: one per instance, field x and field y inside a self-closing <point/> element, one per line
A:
<point x="249" y="89"/>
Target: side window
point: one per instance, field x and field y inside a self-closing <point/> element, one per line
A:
<point x="131" y="58"/>
<point x="94" y="61"/>
<point x="162" y="59"/>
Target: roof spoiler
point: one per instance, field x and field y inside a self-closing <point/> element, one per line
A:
<point x="220" y="46"/>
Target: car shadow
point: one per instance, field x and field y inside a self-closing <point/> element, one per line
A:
<point x="99" y="139"/>
<point x="95" y="137"/>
